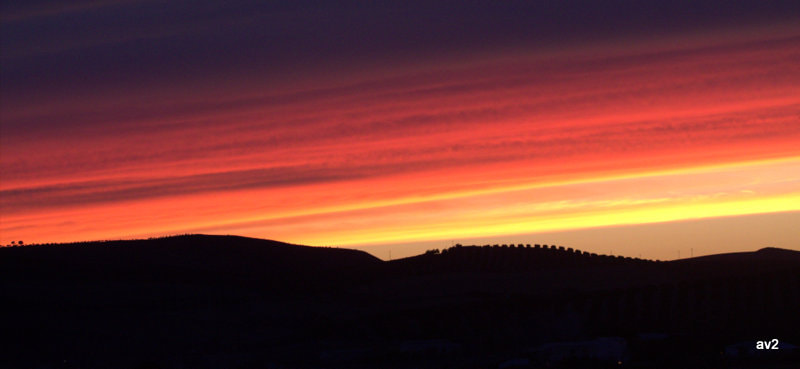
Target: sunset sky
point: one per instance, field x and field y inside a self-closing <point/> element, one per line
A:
<point x="639" y="128"/>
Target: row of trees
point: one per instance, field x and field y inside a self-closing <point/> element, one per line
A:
<point x="562" y="249"/>
<point x="15" y="244"/>
<point x="505" y="246"/>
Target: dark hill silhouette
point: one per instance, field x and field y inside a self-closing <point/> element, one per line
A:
<point x="186" y="258"/>
<point x="222" y="301"/>
<point x="505" y="258"/>
<point x="765" y="261"/>
<point x="767" y="257"/>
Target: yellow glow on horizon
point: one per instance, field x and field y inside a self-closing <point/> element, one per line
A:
<point x="645" y="215"/>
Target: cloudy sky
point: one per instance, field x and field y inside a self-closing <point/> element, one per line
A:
<point x="640" y="128"/>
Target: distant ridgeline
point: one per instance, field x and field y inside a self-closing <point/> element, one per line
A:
<point x="203" y="257"/>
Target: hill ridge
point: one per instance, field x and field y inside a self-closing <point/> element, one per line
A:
<point x="551" y="250"/>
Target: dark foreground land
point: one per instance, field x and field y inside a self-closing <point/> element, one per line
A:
<point x="231" y="302"/>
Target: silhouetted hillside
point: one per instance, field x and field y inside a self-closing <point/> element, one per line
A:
<point x="766" y="258"/>
<point x="505" y="258"/>
<point x="219" y="301"/>
<point x="188" y="258"/>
